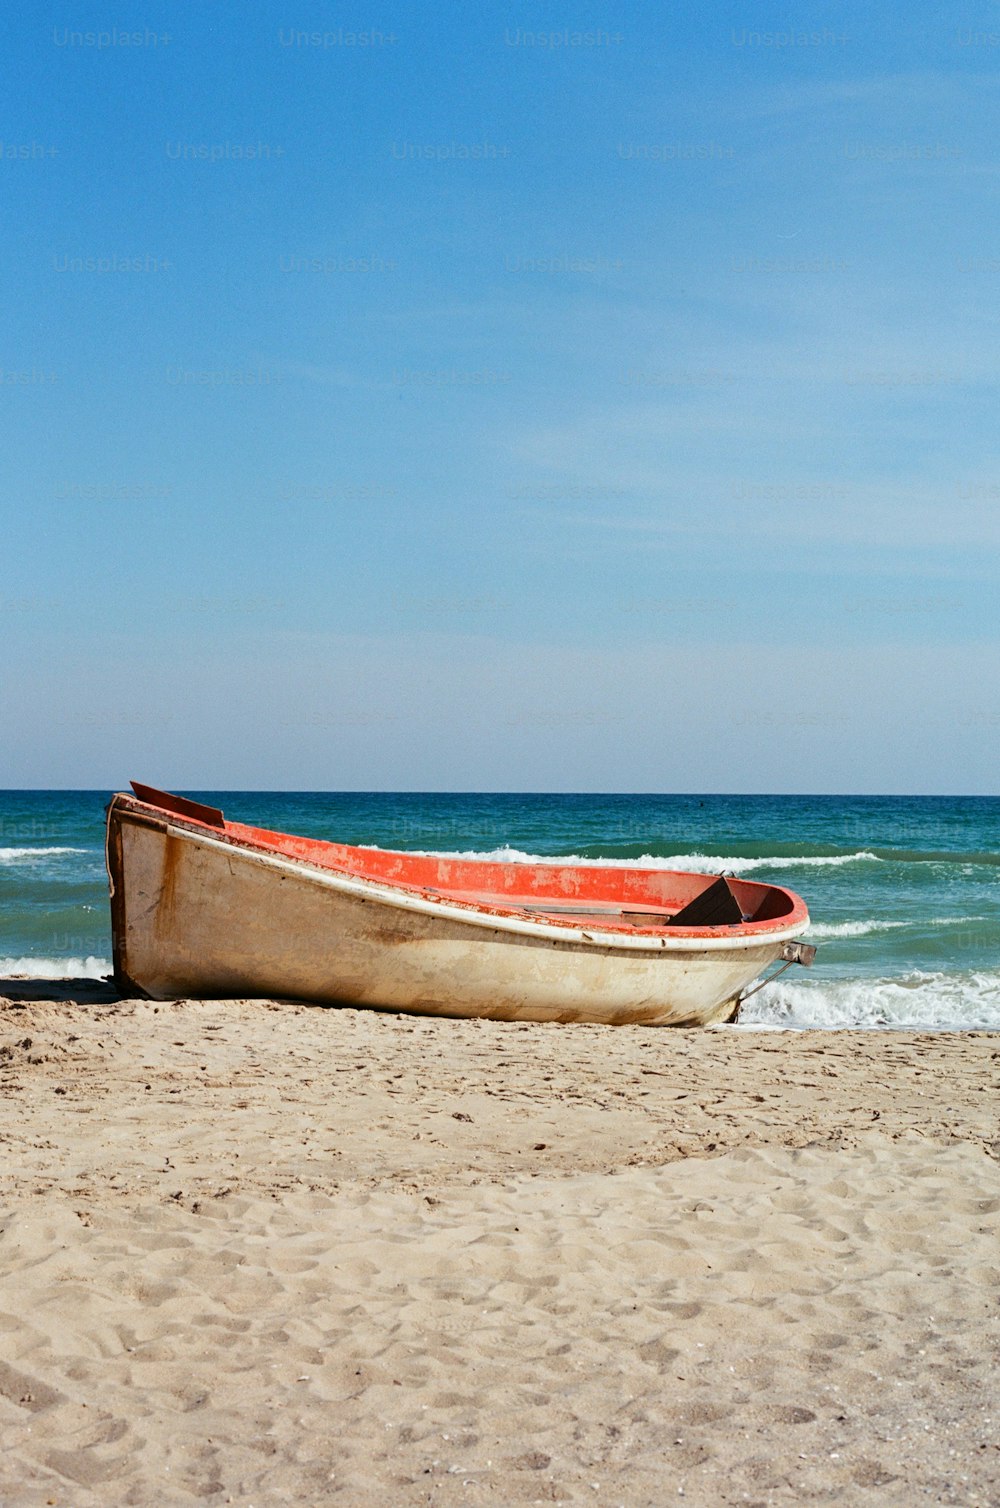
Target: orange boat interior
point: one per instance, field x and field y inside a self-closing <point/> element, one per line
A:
<point x="618" y="898"/>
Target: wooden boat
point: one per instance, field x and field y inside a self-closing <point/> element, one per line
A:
<point x="205" y="907"/>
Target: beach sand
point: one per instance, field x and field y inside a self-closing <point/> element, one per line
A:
<point x="265" y="1253"/>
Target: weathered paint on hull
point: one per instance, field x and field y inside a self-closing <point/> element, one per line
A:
<point x="193" y="916"/>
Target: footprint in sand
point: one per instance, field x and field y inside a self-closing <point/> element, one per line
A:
<point x="791" y="1413"/>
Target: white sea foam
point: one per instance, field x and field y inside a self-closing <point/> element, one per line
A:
<point x="698" y="863"/>
<point x="915" y="1002"/>
<point x="54" y="968"/>
<point x="14" y="855"/>
<point x="822" y="930"/>
<point x="818" y="930"/>
<point x="709" y="865"/>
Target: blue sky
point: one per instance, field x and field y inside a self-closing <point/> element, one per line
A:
<point x="501" y="399"/>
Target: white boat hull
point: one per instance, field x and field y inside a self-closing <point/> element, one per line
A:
<point x="194" y="915"/>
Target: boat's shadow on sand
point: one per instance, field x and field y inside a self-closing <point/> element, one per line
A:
<point x="68" y="991"/>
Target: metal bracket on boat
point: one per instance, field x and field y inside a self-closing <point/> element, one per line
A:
<point x="792" y="952"/>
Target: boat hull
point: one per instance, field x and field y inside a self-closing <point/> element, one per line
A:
<point x="193" y="915"/>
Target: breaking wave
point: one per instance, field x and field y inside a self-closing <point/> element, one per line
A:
<point x="15" y="855"/>
<point x="916" y="1001"/>
<point x="698" y="863"/>
<point x="54" y="968"/>
<point x="825" y="930"/>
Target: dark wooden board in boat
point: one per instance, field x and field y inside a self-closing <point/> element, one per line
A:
<point x="716" y="906"/>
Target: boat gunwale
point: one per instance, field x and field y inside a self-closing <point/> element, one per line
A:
<point x="743" y="937"/>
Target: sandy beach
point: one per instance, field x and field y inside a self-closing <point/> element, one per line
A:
<point x="265" y="1253"/>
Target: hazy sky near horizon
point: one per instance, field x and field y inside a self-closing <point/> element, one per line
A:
<point x="528" y="398"/>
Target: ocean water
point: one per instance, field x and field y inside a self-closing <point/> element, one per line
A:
<point x="904" y="892"/>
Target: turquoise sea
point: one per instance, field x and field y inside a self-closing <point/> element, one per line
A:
<point x="904" y="892"/>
